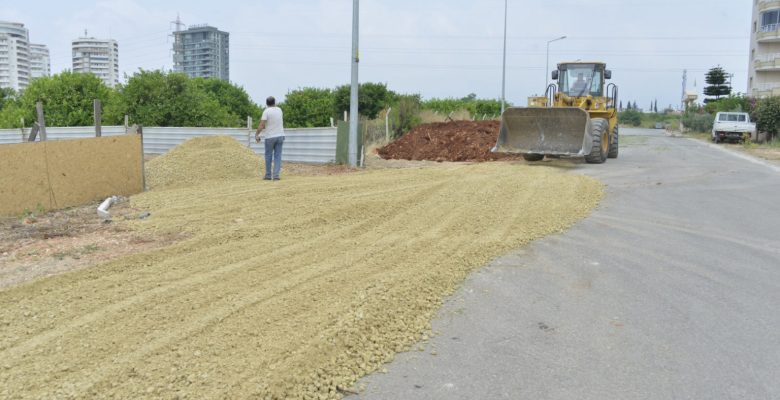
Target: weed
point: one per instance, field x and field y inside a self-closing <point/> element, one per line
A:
<point x="90" y="248"/>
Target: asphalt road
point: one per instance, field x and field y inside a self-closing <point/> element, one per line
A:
<point x="670" y="290"/>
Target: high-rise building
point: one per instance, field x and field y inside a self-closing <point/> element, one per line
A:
<point x="40" y="62"/>
<point x="202" y="51"/>
<point x="764" y="63"/>
<point x="14" y="56"/>
<point x="97" y="56"/>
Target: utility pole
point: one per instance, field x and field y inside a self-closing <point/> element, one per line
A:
<point x="684" y="86"/>
<point x="353" y="97"/>
<point x="503" y="70"/>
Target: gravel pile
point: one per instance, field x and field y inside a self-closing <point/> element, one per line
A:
<point x="202" y="159"/>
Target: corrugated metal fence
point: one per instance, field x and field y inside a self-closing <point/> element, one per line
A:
<point x="309" y="145"/>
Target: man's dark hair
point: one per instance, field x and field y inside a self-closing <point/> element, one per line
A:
<point x="270" y="101"/>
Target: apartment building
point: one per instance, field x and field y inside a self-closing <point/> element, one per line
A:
<point x="14" y="56"/>
<point x="99" y="57"/>
<point x="202" y="51"/>
<point x="40" y="61"/>
<point x="764" y="63"/>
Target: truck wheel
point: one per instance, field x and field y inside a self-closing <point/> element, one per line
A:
<point x="614" y="144"/>
<point x="598" y="153"/>
<point x="533" y="157"/>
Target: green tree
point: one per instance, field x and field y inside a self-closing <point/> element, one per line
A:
<point x="469" y="97"/>
<point x="154" y="98"/>
<point x="67" y="101"/>
<point x="308" y="107"/>
<point x="231" y="97"/>
<point x="373" y="98"/>
<point x="7" y="95"/>
<point x="716" y="84"/>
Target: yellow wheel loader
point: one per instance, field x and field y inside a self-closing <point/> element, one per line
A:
<point x="575" y="118"/>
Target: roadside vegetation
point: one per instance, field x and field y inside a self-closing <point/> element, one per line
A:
<point x="155" y="98"/>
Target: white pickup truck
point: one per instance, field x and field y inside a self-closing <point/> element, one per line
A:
<point x="733" y="127"/>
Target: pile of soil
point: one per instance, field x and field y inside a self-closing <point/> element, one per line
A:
<point x="203" y="159"/>
<point x="447" y="141"/>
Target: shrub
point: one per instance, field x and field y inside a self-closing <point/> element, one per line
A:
<point x="732" y="103"/>
<point x="768" y="116"/>
<point x="630" y="117"/>
<point x="698" y="122"/>
<point x="405" y="114"/>
<point x="475" y="107"/>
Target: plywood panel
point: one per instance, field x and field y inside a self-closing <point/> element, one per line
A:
<point x="68" y="173"/>
<point x="23" y="179"/>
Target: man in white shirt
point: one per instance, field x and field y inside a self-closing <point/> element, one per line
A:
<point x="271" y="128"/>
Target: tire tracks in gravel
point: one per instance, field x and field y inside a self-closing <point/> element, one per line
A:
<point x="350" y="283"/>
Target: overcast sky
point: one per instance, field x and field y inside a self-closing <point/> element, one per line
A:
<point x="438" y="48"/>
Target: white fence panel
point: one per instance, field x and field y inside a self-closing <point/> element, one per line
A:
<point x="161" y="140"/>
<point x="307" y="145"/>
<point x="310" y="145"/>
<point x="9" y="136"/>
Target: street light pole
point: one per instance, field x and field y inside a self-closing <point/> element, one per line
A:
<point x="503" y="70"/>
<point x="547" y="66"/>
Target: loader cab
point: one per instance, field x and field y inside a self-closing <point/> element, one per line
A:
<point x="581" y="79"/>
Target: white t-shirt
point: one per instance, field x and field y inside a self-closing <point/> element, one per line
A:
<point x="274" y="124"/>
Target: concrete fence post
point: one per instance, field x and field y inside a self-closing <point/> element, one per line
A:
<point x="249" y="131"/>
<point x="387" y="124"/>
<point x="98" y="113"/>
<point x="41" y="120"/>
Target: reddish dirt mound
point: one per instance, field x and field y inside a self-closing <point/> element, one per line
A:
<point x="447" y="141"/>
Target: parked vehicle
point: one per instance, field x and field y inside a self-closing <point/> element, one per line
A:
<point x="732" y="127"/>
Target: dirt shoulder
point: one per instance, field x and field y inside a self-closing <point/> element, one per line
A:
<point x="36" y="246"/>
<point x="766" y="152"/>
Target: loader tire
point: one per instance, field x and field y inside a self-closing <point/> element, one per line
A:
<point x="614" y="144"/>
<point x="533" y="157"/>
<point x="598" y="153"/>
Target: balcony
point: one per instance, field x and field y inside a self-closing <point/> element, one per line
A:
<point x="764" y="5"/>
<point x="767" y="62"/>
<point x="766" y="90"/>
<point x="769" y="33"/>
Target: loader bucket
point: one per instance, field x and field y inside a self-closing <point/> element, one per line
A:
<point x="554" y="131"/>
